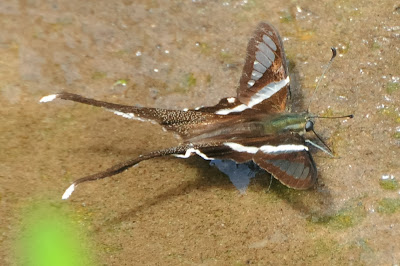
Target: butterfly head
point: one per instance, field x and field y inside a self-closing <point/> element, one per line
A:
<point x="309" y="125"/>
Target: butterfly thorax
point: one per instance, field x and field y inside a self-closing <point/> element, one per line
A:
<point x="286" y="122"/>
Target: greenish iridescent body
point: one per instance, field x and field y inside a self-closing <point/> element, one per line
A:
<point x="256" y="126"/>
<point x="282" y="123"/>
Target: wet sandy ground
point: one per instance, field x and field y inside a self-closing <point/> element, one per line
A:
<point x="176" y="54"/>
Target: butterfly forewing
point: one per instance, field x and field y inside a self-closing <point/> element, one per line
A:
<point x="264" y="84"/>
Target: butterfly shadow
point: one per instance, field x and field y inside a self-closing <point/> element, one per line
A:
<point x="207" y="177"/>
<point x="316" y="201"/>
<point x="309" y="203"/>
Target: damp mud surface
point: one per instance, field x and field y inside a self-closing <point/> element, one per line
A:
<point x="178" y="54"/>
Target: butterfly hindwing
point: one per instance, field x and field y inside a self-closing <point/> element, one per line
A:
<point x="285" y="156"/>
<point x="294" y="168"/>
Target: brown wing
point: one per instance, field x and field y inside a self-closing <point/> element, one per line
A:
<point x="264" y="84"/>
<point x="294" y="169"/>
<point x="285" y="156"/>
<point x="228" y="106"/>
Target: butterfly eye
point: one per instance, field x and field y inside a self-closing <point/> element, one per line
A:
<point x="309" y="125"/>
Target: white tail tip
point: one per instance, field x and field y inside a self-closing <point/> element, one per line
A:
<point x="68" y="192"/>
<point x="48" y="98"/>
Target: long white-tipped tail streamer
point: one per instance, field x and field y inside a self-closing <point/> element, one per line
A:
<point x="48" y="98"/>
<point x="68" y="192"/>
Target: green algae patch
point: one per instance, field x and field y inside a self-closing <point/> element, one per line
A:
<point x="50" y="237"/>
<point x="344" y="49"/>
<point x="226" y="57"/>
<point x="190" y="80"/>
<point x="328" y="112"/>
<point x="391" y="112"/>
<point x="305" y="35"/>
<point x="99" y="75"/>
<point x="389" y="184"/>
<point x="347" y="217"/>
<point x="324" y="247"/>
<point x="208" y="79"/>
<point x="204" y="48"/>
<point x="289" y="195"/>
<point x="392" y="87"/>
<point x="285" y="16"/>
<point x="376" y="45"/>
<point x="122" y="82"/>
<point x="344" y="219"/>
<point x="303" y="200"/>
<point x="388" y="206"/>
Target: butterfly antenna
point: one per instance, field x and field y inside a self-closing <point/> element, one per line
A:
<point x="322" y="76"/>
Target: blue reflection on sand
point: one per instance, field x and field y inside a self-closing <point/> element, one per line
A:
<point x="239" y="174"/>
